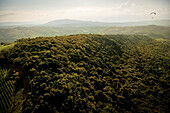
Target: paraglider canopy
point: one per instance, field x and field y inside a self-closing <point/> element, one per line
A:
<point x="153" y="14"/>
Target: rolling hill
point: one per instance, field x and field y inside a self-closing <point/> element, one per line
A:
<point x="12" y="34"/>
<point x="89" y="73"/>
<point x="79" y="23"/>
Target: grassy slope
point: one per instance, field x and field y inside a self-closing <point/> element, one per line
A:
<point x="2" y="47"/>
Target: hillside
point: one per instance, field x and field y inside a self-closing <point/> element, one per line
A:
<point x="92" y="73"/>
<point x="12" y="34"/>
<point x="79" y="23"/>
<point x="75" y="23"/>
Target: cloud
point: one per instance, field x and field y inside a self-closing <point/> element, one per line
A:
<point x="6" y="14"/>
<point x="94" y="10"/>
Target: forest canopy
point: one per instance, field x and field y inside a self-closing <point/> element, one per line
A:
<point x="94" y="73"/>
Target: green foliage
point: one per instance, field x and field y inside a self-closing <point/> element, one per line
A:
<point x="6" y="47"/>
<point x="95" y="73"/>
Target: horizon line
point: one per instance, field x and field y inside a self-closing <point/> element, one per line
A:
<point x="32" y="22"/>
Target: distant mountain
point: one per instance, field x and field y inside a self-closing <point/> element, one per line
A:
<point x="78" y="23"/>
<point x="9" y="32"/>
<point x="75" y="23"/>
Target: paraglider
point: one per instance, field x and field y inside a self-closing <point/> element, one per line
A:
<point x="153" y="14"/>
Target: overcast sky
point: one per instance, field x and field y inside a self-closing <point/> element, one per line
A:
<point x="41" y="11"/>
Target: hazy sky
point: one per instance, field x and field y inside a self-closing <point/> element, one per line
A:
<point x="41" y="11"/>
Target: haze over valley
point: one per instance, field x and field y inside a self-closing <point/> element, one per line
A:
<point x="12" y="31"/>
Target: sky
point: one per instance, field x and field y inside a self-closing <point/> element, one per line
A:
<point x="42" y="11"/>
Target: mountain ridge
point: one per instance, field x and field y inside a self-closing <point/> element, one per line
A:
<point x="82" y="23"/>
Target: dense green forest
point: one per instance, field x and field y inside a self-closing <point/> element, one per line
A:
<point x="92" y="73"/>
